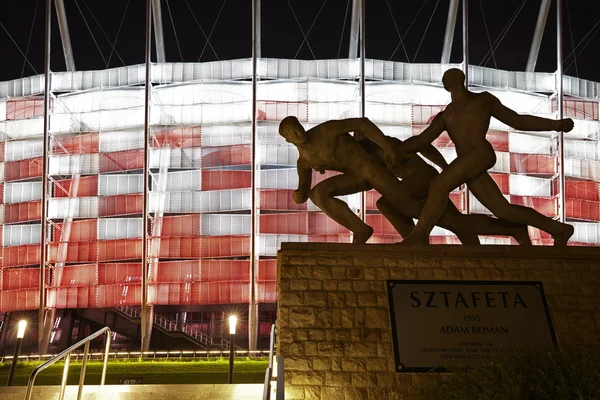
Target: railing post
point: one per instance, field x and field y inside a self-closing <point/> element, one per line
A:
<point x="107" y="348"/>
<point x="86" y="350"/>
<point x="63" y="384"/>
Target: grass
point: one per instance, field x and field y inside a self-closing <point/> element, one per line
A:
<point x="153" y="372"/>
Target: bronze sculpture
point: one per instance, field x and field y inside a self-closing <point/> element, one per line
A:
<point x="329" y="146"/>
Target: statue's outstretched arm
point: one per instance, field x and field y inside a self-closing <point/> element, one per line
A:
<point x="423" y="140"/>
<point x="433" y="155"/>
<point x="526" y="122"/>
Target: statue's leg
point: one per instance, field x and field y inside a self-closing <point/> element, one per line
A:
<point x="403" y="224"/>
<point x="486" y="191"/>
<point x="459" y="171"/>
<point x="323" y="197"/>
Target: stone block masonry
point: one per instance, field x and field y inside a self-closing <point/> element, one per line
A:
<point x="333" y="314"/>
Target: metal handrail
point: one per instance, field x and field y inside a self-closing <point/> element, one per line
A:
<point x="66" y="354"/>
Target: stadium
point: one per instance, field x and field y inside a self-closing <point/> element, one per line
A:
<point x="197" y="193"/>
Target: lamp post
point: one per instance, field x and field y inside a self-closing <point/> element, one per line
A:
<point x="20" y="335"/>
<point x="232" y="326"/>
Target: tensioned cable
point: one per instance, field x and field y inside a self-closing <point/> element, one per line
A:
<point x="343" y="28"/>
<point x="104" y="33"/>
<point x="310" y="29"/>
<point x="301" y="30"/>
<point x="174" y="30"/>
<point x="119" y="31"/>
<point x="90" y="30"/>
<point x="410" y="26"/>
<point x="202" y="30"/>
<point x="20" y="51"/>
<point x="574" y="52"/>
<point x="37" y="3"/>
<point x="426" y="29"/>
<point x="487" y="32"/>
<point x="589" y="40"/>
<point x="571" y="32"/>
<point x="498" y="40"/>
<point x="397" y="31"/>
<point x="212" y="29"/>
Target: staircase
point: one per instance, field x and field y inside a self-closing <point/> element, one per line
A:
<point x="201" y="338"/>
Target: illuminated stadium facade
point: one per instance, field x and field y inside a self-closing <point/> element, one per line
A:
<point x="203" y="156"/>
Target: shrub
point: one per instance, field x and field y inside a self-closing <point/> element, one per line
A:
<point x="567" y="374"/>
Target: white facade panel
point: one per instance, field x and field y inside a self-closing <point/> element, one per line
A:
<point x="20" y="192"/>
<point x="18" y="235"/>
<point x="278" y="155"/>
<point x="586" y="232"/>
<point x="120" y="140"/>
<point x="270" y="244"/>
<point x="225" y="224"/>
<point x="175" y="158"/>
<point x="529" y="144"/>
<point x="119" y="228"/>
<point x="24" y="128"/>
<point x="522" y="185"/>
<point x="226" y="135"/>
<point x="114" y="184"/>
<point x="82" y="207"/>
<point x="180" y="181"/>
<point x="74" y="164"/>
<point x="200" y="202"/>
<point x="22" y="150"/>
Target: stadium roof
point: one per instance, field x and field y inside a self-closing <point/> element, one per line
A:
<point x="110" y="33"/>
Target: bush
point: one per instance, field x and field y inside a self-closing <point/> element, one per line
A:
<point x="524" y="375"/>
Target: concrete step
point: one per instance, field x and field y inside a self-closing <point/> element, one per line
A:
<point x="141" y="392"/>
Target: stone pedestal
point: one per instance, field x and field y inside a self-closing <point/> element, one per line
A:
<point x="333" y="313"/>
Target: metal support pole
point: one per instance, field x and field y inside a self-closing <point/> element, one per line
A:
<point x="559" y="101"/>
<point x="258" y="29"/>
<point x="43" y="211"/>
<point x="231" y="355"/>
<point x="64" y="34"/>
<point x="159" y="37"/>
<point x="146" y="325"/>
<point x="15" y="359"/>
<point x="465" y="14"/>
<point x="363" y="195"/>
<point x="449" y="36"/>
<point x="354" y="29"/>
<point x="537" y="35"/>
<point x="252" y="326"/>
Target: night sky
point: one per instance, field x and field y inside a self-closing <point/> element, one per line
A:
<point x="282" y="37"/>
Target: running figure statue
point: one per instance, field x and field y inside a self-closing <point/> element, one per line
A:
<point x="466" y="119"/>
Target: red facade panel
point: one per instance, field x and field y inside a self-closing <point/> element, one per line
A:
<point x="222" y="180"/>
<point x="266" y="292"/>
<point x="200" y="293"/>
<point x="177" y="226"/>
<point x="23" y="169"/>
<point x="545" y="205"/>
<point x="202" y="247"/>
<point x="24" y="108"/>
<point x="19" y="278"/>
<point x="202" y="271"/>
<point x="22" y="212"/>
<point x="95" y="296"/>
<point x="122" y="204"/>
<point x="101" y="251"/>
<point x="79" y="144"/>
<point x="533" y="164"/>
<point x="578" y="189"/>
<point x="20" y="299"/>
<point x="17" y="256"/>
<point x="80" y="231"/>
<point x="87" y="187"/>
<point x="578" y="108"/>
<point x="122" y="160"/>
<point x="582" y="209"/>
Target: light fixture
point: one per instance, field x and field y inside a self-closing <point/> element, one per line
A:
<point x="232" y="324"/>
<point x="21" y="329"/>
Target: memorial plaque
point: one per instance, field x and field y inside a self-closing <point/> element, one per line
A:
<point x="438" y="324"/>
